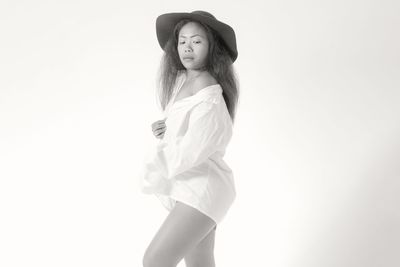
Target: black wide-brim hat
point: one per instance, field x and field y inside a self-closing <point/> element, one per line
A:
<point x="165" y="24"/>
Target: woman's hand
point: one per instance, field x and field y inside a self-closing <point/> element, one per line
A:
<point x="158" y="128"/>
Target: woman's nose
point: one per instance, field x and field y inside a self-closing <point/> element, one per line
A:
<point x="188" y="48"/>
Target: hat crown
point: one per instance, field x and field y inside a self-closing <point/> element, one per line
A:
<point x="204" y="13"/>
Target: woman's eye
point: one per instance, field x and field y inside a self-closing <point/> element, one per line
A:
<point x="196" y="42"/>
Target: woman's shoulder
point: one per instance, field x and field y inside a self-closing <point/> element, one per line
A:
<point x="203" y="81"/>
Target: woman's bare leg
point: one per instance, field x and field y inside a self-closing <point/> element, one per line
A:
<point x="203" y="254"/>
<point x="180" y="233"/>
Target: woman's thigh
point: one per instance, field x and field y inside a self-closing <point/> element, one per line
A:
<point x="182" y="230"/>
<point x="203" y="254"/>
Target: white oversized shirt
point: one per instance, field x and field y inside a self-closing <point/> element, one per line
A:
<point x="187" y="164"/>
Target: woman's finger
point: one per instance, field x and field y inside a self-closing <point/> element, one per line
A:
<point x="161" y="126"/>
<point x="160" y="135"/>
<point x="158" y="125"/>
<point x="154" y="124"/>
<point x="159" y="131"/>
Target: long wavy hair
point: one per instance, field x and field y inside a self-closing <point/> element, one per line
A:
<point x="218" y="64"/>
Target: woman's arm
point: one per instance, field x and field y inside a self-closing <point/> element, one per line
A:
<point x="207" y="133"/>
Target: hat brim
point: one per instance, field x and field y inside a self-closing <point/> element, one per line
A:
<point x="165" y="24"/>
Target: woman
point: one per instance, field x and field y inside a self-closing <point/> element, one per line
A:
<point x="198" y="94"/>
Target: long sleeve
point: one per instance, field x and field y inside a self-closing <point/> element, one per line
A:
<point x="187" y="164"/>
<point x="207" y="133"/>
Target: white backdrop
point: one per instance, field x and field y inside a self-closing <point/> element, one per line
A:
<point x="315" y="151"/>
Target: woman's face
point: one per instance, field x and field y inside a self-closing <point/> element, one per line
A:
<point x="193" y="46"/>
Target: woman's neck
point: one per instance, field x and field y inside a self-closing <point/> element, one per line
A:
<point x="193" y="74"/>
